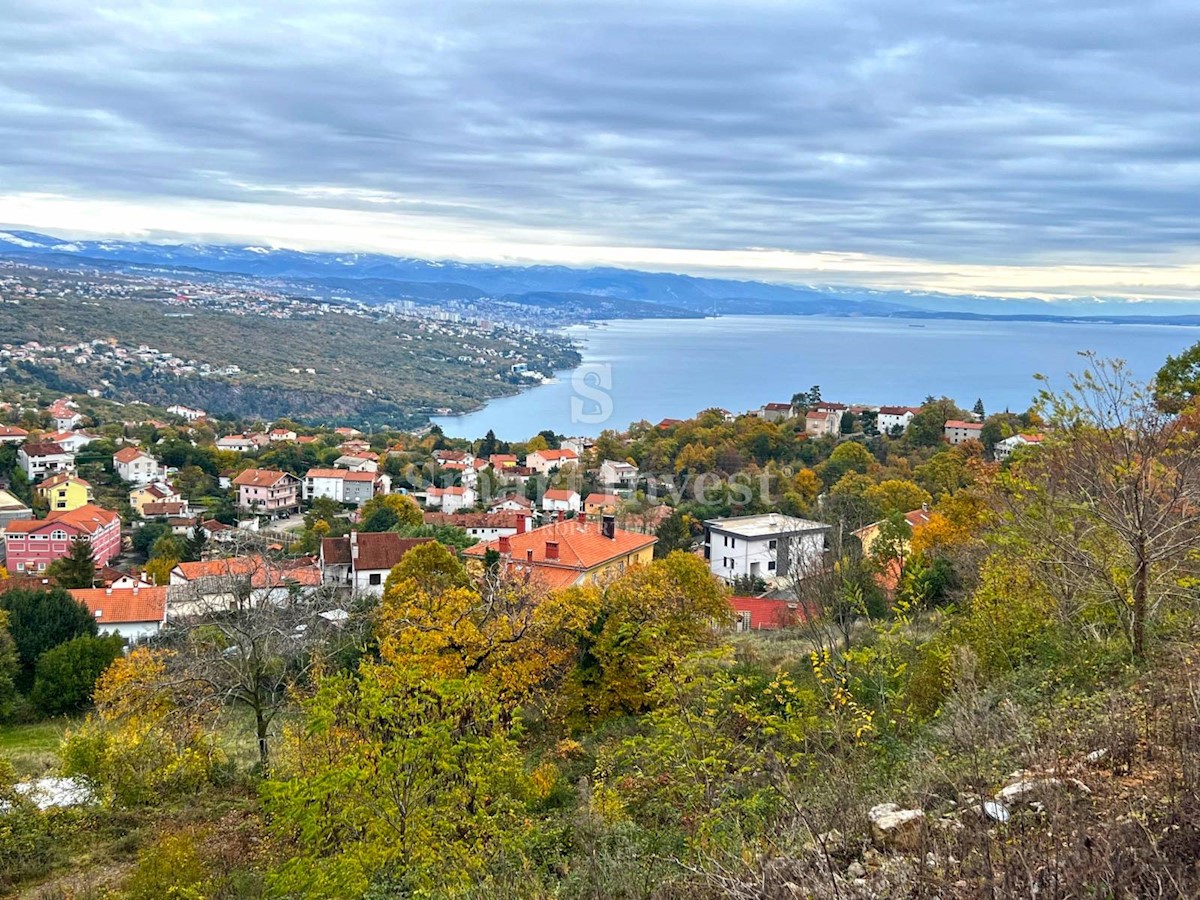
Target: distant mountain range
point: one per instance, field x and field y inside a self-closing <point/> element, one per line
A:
<point x="594" y="293"/>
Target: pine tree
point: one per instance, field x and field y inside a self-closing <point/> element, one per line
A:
<point x="978" y="408"/>
<point x="78" y="568"/>
<point x="197" y="540"/>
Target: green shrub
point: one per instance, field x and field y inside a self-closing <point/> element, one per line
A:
<point x="66" y="674"/>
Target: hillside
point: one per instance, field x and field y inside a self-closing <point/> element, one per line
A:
<point x="366" y="366"/>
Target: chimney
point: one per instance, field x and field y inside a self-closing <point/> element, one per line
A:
<point x="608" y="527"/>
<point x="521" y="520"/>
<point x="551" y="549"/>
<point x="354" y="546"/>
<point x="505" y="544"/>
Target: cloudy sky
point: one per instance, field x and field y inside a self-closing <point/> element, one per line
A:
<point x="1045" y="147"/>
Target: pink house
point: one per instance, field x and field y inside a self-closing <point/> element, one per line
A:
<point x="267" y="492"/>
<point x="32" y="544"/>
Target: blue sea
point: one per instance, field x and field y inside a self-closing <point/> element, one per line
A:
<point x="672" y="368"/>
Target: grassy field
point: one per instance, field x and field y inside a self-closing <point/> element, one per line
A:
<point x="32" y="749"/>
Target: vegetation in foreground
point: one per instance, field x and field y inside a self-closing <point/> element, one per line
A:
<point x="1032" y="719"/>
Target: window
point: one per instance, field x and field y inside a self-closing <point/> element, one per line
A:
<point x="733" y="542"/>
<point x="41" y="567"/>
<point x="58" y="535"/>
<point x="771" y="545"/>
<point x="375" y="578"/>
<point x="20" y="567"/>
<point x="771" y="566"/>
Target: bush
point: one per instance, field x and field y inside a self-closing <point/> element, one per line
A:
<point x="66" y="674"/>
<point x="171" y="867"/>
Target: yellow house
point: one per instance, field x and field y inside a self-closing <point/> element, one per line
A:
<point x="571" y="552"/>
<point x="65" y="492"/>
<point x="150" y="493"/>
<point x="868" y="533"/>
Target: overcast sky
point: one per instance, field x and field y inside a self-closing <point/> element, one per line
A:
<point x="956" y="144"/>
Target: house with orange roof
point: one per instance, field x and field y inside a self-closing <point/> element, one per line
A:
<point x="267" y="492"/>
<point x="11" y="434"/>
<point x="135" y="612"/>
<point x="158" y="492"/>
<point x="571" y="552"/>
<point x="560" y="500"/>
<point x="917" y="518"/>
<point x="959" y="432"/>
<point x="599" y="504"/>
<point x="502" y="460"/>
<point x="281" y="434"/>
<point x="64" y="414"/>
<point x="136" y="466"/>
<point x="546" y="461"/>
<point x="449" y="499"/>
<point x="31" y="545"/>
<point x="65" y="491"/>
<point x="1005" y="448"/>
<point x="219" y="585"/>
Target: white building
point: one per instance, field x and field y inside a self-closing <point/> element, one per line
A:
<point x="238" y="443"/>
<point x="545" y="461"/>
<point x="71" y="441"/>
<point x="355" y="463"/>
<point x="341" y="485"/>
<point x="959" y="432"/>
<point x="451" y="499"/>
<point x="1005" y="448"/>
<point x="186" y="412"/>
<point x="891" y="418"/>
<point x="771" y="546"/>
<point x="617" y="475"/>
<point x="363" y="560"/>
<point x="561" y="501"/>
<point x="136" y="466"/>
<point x="41" y="459"/>
<point x="135" y="611"/>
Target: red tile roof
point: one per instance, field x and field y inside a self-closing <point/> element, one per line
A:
<point x="118" y="606"/>
<point x="12" y="431"/>
<point x="768" y="614"/>
<point x="917" y="517"/>
<point x="343" y="474"/>
<point x="129" y="454"/>
<point x="959" y="423"/>
<point x="260" y="478"/>
<point x="382" y="549"/>
<point x="88" y="518"/>
<point x="602" y="500"/>
<point x="43" y="448"/>
<point x="581" y="545"/>
<point x="62" y="478"/>
<point x="559" y="494"/>
<point x="164" y="508"/>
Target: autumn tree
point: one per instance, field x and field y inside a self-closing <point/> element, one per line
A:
<point x="649" y="617"/>
<point x="1113" y="498"/>
<point x="248" y="638"/>
<point x="384" y="512"/>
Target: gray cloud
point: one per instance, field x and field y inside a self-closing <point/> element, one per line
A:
<point x="1003" y="132"/>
